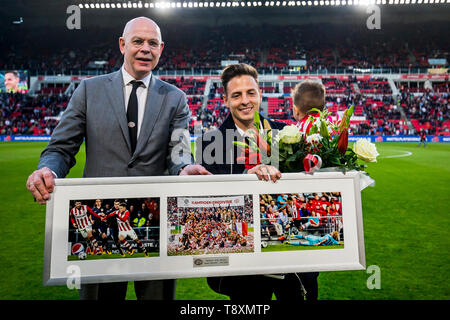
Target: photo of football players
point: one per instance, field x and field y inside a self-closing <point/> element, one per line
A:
<point x="312" y="219"/>
<point x="81" y="219"/>
<point x="99" y="225"/>
<point x="104" y="227"/>
<point x="327" y="240"/>
<point x="209" y="225"/>
<point x="125" y="230"/>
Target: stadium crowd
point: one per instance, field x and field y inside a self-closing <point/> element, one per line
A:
<point x="330" y="48"/>
<point x="326" y="48"/>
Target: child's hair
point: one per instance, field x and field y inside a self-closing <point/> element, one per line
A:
<point x="307" y="95"/>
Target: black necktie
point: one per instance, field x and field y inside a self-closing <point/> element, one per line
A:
<point x="132" y="114"/>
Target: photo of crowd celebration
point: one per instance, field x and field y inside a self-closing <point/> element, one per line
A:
<point x="301" y="221"/>
<point x="210" y="225"/>
<point x="113" y="228"/>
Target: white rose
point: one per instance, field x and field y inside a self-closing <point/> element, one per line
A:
<point x="289" y="134"/>
<point x="365" y="150"/>
<point x="314" y="138"/>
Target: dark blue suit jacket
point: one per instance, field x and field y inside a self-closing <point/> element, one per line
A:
<point x="221" y="154"/>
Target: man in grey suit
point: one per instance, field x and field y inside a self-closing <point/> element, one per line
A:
<point x="129" y="121"/>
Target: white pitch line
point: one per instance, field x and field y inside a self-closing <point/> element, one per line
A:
<point x="404" y="154"/>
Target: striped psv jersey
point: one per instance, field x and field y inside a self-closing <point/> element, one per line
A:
<point x="123" y="221"/>
<point x="305" y="124"/>
<point x="80" y="216"/>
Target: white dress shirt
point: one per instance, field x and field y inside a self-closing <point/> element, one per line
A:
<point x="141" y="94"/>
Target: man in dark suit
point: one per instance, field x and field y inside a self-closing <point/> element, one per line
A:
<point x="133" y="124"/>
<point x="217" y="153"/>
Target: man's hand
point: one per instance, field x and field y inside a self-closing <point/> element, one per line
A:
<point x="266" y="172"/>
<point x="194" y="169"/>
<point x="41" y="183"/>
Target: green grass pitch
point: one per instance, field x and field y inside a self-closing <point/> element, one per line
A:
<point x="114" y="256"/>
<point x="406" y="223"/>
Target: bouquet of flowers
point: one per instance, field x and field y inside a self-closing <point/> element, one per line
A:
<point x="324" y="145"/>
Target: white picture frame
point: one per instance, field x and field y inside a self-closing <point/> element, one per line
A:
<point x="58" y="269"/>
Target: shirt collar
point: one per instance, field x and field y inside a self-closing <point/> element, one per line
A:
<point x="127" y="78"/>
<point x="244" y="133"/>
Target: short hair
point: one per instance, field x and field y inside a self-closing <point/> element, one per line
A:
<point x="236" y="70"/>
<point x="14" y="72"/>
<point x="335" y="235"/>
<point x="307" y="95"/>
<point x="123" y="204"/>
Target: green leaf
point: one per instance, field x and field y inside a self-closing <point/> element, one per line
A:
<point x="256" y="120"/>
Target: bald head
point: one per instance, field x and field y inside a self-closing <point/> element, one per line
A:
<point x="140" y="22"/>
<point x="141" y="46"/>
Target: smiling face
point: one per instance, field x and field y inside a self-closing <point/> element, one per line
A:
<point x="141" y="46"/>
<point x="11" y="82"/>
<point x="243" y="97"/>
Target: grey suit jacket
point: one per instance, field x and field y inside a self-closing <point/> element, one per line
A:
<point x="96" y="114"/>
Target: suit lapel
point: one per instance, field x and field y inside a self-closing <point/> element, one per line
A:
<point x="117" y="102"/>
<point x="153" y="106"/>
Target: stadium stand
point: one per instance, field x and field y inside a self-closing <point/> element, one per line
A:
<point x="373" y="74"/>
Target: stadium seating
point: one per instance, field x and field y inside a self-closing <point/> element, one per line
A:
<point x="326" y="50"/>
